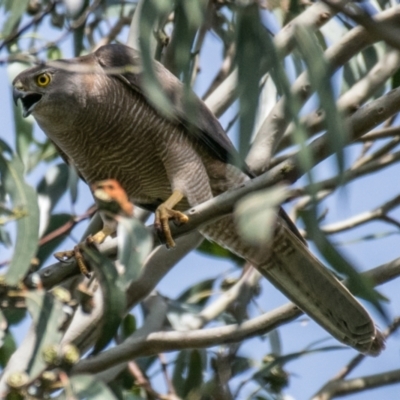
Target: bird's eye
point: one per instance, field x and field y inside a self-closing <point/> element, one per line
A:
<point x="43" y="80"/>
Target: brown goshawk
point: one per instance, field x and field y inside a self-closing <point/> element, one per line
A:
<point x="95" y="109"/>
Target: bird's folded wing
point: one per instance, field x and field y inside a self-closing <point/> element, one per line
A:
<point x="297" y="273"/>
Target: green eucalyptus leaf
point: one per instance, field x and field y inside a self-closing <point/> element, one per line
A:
<point x="255" y="214"/>
<point x="5" y="237"/>
<point x="150" y="13"/>
<point x="15" y="10"/>
<point x="44" y="152"/>
<point x="215" y="250"/>
<point x="134" y="245"/>
<point x="194" y="377"/>
<point x="3" y="327"/>
<point x="188" y="16"/>
<point x="349" y="76"/>
<point x="396" y="79"/>
<point x="78" y="37"/>
<point x="181" y="363"/>
<point x="54" y="53"/>
<point x="85" y="387"/>
<point x="114" y="297"/>
<point x="198" y="294"/>
<point x="117" y="9"/>
<point x="24" y="201"/>
<point x="47" y="316"/>
<point x="240" y="364"/>
<point x="188" y="372"/>
<point x="145" y="363"/>
<point x="56" y="222"/>
<point x="5" y="148"/>
<point x="280" y="361"/>
<point x="250" y="48"/>
<point x="180" y="315"/>
<point x="73" y="181"/>
<point x="14" y="315"/>
<point x="23" y="126"/>
<point x="7" y="348"/>
<point x="50" y="189"/>
<point x="359" y="285"/>
<point x="320" y="77"/>
<point x="128" y="326"/>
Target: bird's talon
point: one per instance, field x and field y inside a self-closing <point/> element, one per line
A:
<point x="161" y="222"/>
<point x="90" y="240"/>
<point x="81" y="261"/>
<point x="180" y="219"/>
<point x="64" y="256"/>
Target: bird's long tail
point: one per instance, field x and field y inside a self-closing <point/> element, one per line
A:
<point x="288" y="264"/>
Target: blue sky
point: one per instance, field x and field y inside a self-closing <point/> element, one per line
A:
<point x="310" y="372"/>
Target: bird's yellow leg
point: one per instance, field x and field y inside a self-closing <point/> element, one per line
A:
<point x="76" y="253"/>
<point x="101" y="236"/>
<point x="165" y="212"/>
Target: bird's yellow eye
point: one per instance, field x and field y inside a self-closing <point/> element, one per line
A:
<point x="43" y="80"/>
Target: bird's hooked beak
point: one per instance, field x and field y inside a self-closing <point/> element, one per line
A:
<point x="28" y="99"/>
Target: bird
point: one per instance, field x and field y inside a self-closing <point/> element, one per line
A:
<point x="97" y="112"/>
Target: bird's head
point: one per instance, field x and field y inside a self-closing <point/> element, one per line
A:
<point x="47" y="89"/>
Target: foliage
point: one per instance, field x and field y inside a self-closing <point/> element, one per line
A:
<point x="301" y="83"/>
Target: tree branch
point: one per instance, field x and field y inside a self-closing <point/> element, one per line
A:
<point x="278" y="120"/>
<point x="375" y="27"/>
<point x="158" y="342"/>
<point x="350" y="101"/>
<point x="368" y="216"/>
<point x="383" y="133"/>
<point x="313" y="18"/>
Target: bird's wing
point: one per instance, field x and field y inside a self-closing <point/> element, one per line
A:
<point x="204" y="125"/>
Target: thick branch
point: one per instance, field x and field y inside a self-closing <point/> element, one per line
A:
<point x="158" y="342"/>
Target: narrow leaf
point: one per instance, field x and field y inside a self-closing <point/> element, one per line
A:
<point x="150" y="13"/>
<point x="249" y="51"/>
<point x="197" y="294"/>
<point x="194" y="377"/>
<point x="320" y="77"/>
<point x="47" y="249"/>
<point x="256" y="213"/>
<point x="357" y="284"/>
<point x="114" y="297"/>
<point x="15" y="13"/>
<point x="85" y="387"/>
<point x="24" y="200"/>
<point x="7" y="349"/>
<point x="48" y="316"/>
<point x="134" y="245"/>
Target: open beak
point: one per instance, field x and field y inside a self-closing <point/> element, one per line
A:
<point x="28" y="100"/>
